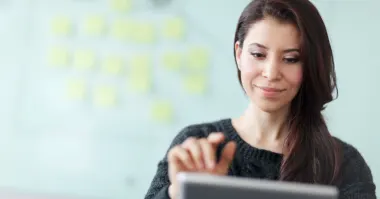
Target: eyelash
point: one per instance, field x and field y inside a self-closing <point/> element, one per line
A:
<point x="287" y="60"/>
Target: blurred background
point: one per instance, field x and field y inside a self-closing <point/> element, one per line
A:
<point x="92" y="92"/>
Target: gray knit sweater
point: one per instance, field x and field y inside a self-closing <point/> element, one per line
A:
<point x="357" y="182"/>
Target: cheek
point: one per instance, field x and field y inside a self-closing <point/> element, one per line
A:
<point x="295" y="76"/>
<point x="248" y="71"/>
<point x="248" y="67"/>
<point x="248" y="75"/>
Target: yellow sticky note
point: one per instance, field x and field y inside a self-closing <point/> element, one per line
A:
<point x="113" y="65"/>
<point x="76" y="89"/>
<point x="105" y="96"/>
<point x="195" y="84"/>
<point x="174" y="28"/>
<point x="198" y="58"/>
<point x="122" y="29"/>
<point x="140" y="64"/>
<point x="61" y="26"/>
<point x="172" y="60"/>
<point x="140" y="83"/>
<point x="94" y="25"/>
<point x="140" y="71"/>
<point x="58" y="56"/>
<point x="162" y="111"/>
<point x="84" y="59"/>
<point x="144" y="32"/>
<point x="121" y="5"/>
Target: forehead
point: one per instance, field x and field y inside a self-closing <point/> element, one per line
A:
<point x="273" y="34"/>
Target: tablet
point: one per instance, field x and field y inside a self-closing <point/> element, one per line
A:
<point x="206" y="186"/>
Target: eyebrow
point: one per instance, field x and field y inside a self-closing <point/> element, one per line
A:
<point x="286" y="50"/>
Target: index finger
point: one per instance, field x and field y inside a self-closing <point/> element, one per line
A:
<point x="216" y="138"/>
<point x="226" y="158"/>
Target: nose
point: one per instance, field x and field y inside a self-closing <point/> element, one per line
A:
<point x="271" y="70"/>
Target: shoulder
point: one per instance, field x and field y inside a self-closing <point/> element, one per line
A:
<point x="199" y="130"/>
<point x="351" y="156"/>
<point x="347" y="148"/>
<point x="356" y="175"/>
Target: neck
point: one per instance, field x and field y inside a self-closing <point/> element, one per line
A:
<point x="263" y="125"/>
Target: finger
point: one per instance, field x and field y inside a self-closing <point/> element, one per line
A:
<point x="193" y="146"/>
<point x="189" y="141"/>
<point x="216" y="138"/>
<point x="208" y="153"/>
<point x="226" y="158"/>
<point x="173" y="191"/>
<point x="180" y="156"/>
<point x="174" y="164"/>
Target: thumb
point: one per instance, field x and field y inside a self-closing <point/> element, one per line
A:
<point x="226" y="158"/>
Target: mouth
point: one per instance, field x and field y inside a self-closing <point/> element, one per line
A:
<point x="270" y="89"/>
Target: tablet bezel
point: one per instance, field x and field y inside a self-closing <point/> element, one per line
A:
<point x="185" y="178"/>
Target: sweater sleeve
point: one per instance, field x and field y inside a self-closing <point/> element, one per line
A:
<point x="158" y="188"/>
<point x="357" y="178"/>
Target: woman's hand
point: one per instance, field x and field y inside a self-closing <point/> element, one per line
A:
<point x="199" y="155"/>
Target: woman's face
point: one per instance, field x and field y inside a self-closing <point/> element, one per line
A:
<point x="269" y="62"/>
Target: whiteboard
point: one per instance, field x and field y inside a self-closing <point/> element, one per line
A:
<point x="61" y="136"/>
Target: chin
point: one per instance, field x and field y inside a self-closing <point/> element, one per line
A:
<point x="269" y="107"/>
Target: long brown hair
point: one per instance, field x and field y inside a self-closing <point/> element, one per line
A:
<point x="314" y="155"/>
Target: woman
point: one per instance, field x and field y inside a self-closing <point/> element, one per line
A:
<point x="285" y="66"/>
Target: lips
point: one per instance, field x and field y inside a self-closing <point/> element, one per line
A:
<point x="270" y="89"/>
<point x="270" y="92"/>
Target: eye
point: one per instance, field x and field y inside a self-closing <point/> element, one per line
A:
<point x="291" y="60"/>
<point x="258" y="55"/>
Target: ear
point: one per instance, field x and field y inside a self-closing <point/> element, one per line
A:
<point x="238" y="51"/>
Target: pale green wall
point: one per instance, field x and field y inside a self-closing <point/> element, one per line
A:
<point x="50" y="145"/>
